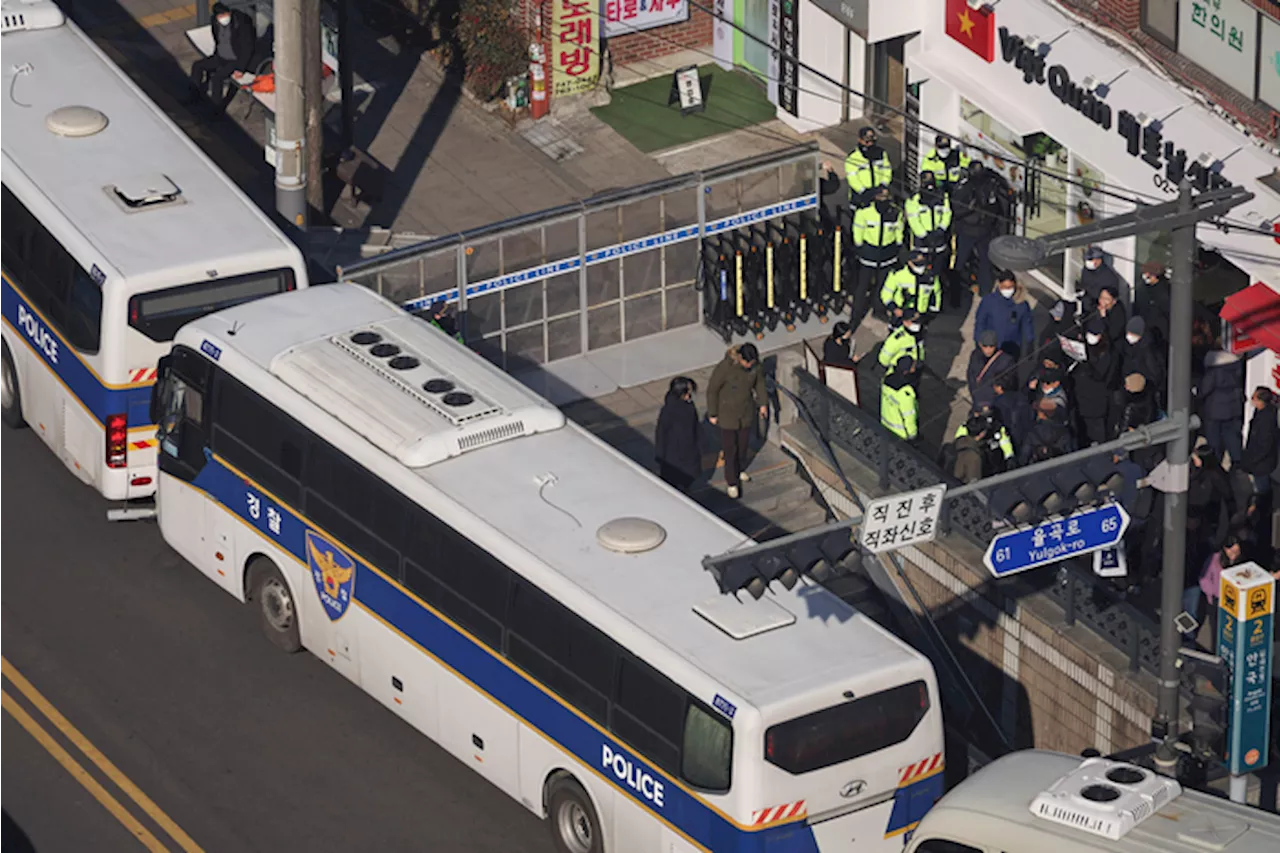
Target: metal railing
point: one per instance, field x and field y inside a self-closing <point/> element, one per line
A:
<point x="619" y="266"/>
<point x="1083" y="596"/>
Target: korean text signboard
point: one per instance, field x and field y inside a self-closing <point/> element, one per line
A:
<point x="575" y="46"/>
<point x="788" y="65"/>
<point x="629" y="16"/>
<point x="1220" y="35"/>
<point x="1269" y="66"/>
<point x="1053" y="541"/>
<point x="901" y="520"/>
<point x="1245" y="626"/>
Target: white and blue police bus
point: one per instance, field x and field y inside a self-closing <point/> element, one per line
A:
<point x="116" y="230"/>
<point x="525" y="595"/>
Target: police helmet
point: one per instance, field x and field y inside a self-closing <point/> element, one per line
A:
<point x="867" y="135"/>
<point x="928" y="181"/>
<point x="918" y="259"/>
<point x="942" y="141"/>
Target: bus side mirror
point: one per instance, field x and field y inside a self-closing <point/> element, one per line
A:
<point x="162" y="377"/>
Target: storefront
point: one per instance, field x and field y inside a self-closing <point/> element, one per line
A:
<point x="1027" y="82"/>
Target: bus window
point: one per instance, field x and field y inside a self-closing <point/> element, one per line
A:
<point x="160" y="313"/>
<point x="708" y="750"/>
<point x="847" y="731"/>
<point x="942" y="845"/>
<point x="84" y="312"/>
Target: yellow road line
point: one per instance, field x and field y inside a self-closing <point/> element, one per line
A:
<point x="92" y="785"/>
<point x="178" y="13"/>
<point x="103" y="763"/>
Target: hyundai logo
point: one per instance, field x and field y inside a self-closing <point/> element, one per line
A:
<point x="852" y="789"/>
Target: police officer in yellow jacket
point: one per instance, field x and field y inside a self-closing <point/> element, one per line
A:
<point x="866" y="168"/>
<point x="946" y="161"/>
<point x="905" y="340"/>
<point x="899" y="412"/>
<point x="929" y="219"/>
<point x="877" y="238"/>
<point x="912" y="285"/>
<point x="992" y="438"/>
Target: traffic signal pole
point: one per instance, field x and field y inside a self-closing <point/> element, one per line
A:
<point x="1174" y="569"/>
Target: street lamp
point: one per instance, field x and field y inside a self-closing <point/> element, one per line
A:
<point x="1023" y="253"/>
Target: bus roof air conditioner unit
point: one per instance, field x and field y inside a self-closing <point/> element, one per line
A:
<point x="1104" y="797"/>
<point x="19" y="15"/>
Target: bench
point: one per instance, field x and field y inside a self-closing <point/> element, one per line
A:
<point x="201" y="39"/>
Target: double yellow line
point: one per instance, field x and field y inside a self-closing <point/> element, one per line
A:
<point x="81" y="774"/>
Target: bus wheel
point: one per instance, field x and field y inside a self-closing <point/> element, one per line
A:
<point x="276" y="609"/>
<point x="10" y="395"/>
<point x="574" y="825"/>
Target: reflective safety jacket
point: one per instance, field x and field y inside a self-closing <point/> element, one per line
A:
<point x="901" y="341"/>
<point x="905" y="289"/>
<point x="929" y="222"/>
<point x="1000" y="439"/>
<point x="898" y="410"/>
<point x="865" y="174"/>
<point x="948" y="171"/>
<point x="872" y="229"/>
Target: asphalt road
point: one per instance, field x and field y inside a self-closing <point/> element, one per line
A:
<point x="243" y="747"/>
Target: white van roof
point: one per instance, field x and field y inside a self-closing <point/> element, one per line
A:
<point x="992" y="811"/>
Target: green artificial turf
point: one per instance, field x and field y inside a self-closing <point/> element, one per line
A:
<point x="640" y="113"/>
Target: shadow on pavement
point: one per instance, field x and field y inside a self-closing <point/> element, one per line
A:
<point x="12" y="838"/>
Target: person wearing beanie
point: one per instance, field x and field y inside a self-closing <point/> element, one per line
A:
<point x="1151" y="302"/>
<point x="1048" y="437"/>
<point x="736" y="396"/>
<point x="1095" y="383"/>
<point x="1095" y="275"/>
<point x="987" y="363"/>
<point x="1139" y="355"/>
<point x="1062" y="322"/>
<point x="1006" y="312"/>
<point x="838" y="348"/>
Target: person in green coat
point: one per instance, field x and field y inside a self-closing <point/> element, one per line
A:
<point x="736" y="396"/>
<point x="899" y="411"/>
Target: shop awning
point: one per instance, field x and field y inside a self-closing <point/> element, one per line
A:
<point x="1254" y="315"/>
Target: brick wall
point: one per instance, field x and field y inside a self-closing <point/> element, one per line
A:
<point x="1124" y="19"/>
<point x="663" y="41"/>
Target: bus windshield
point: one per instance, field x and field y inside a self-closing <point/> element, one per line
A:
<point x="160" y="313"/>
<point x="847" y="731"/>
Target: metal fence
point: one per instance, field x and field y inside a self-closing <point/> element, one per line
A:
<point x="577" y="278"/>
<point x="1082" y="595"/>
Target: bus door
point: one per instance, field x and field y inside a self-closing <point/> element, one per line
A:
<point x="197" y="524"/>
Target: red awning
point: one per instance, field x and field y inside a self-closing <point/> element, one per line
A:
<point x="1254" y="315"/>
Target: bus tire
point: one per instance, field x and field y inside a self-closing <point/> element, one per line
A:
<point x="575" y="828"/>
<point x="10" y="393"/>
<point x="277" y="610"/>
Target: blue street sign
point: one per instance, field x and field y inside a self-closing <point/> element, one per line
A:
<point x="1247" y="609"/>
<point x="1060" y="539"/>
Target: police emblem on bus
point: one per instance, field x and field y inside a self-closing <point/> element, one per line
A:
<point x="333" y="572"/>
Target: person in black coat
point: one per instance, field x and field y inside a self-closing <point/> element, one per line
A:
<point x="677" y="444"/>
<point x="981" y="205"/>
<point x="1139" y="355"/>
<point x="1220" y="398"/>
<point x="1096" y="275"/>
<point x="1095" y="382"/>
<point x="1013" y="408"/>
<point x="1062" y="321"/>
<point x="1049" y="437"/>
<point x="1112" y="314"/>
<point x="838" y="348"/>
<point x="1151" y="302"/>
<point x="1263" y="450"/>
<point x="234" y="38"/>
<point x="987" y="363"/>
<point x="1133" y="405"/>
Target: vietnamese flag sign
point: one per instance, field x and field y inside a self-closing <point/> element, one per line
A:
<point x="973" y="28"/>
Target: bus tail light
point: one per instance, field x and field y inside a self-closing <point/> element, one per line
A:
<point x="117" y="441"/>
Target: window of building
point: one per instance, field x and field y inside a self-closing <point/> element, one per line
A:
<point x="1160" y="21"/>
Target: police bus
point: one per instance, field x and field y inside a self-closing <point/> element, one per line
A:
<point x="1046" y="801"/>
<point x="524" y="594"/>
<point x="117" y="230"/>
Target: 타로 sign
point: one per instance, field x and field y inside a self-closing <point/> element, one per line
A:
<point x="1245" y="625"/>
<point x="686" y="90"/>
<point x="901" y="520"/>
<point x="630" y="16"/>
<point x="575" y="46"/>
<point x="1053" y="541"/>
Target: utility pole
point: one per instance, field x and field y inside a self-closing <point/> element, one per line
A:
<point x="291" y="178"/>
<point x="313" y="100"/>
<point x="1173" y="570"/>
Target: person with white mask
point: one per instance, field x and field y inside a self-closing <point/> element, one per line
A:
<point x="233" y="43"/>
<point x="1096" y="275"/>
<point x="1095" y="383"/>
<point x="1139" y="354"/>
<point x="1006" y="312"/>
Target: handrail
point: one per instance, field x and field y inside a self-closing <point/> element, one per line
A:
<point x="395" y="257"/>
